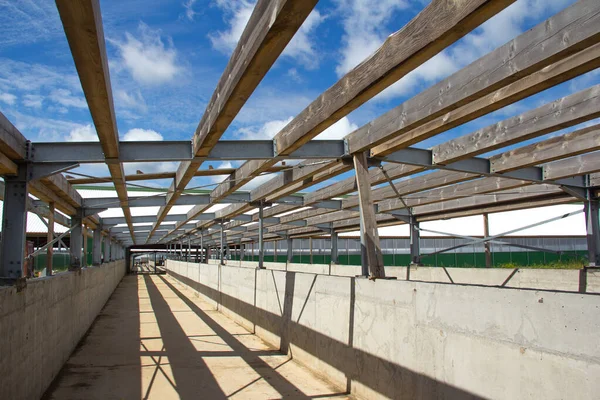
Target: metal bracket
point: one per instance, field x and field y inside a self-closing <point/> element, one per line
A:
<point x="42" y="170"/>
<point x="577" y="192"/>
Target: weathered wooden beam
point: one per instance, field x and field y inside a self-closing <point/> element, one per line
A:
<point x="369" y="235"/>
<point x="82" y="23"/>
<point x="7" y="166"/>
<point x="268" y="31"/>
<point x="514" y="195"/>
<point x="492" y="76"/>
<point x="567" y="111"/>
<point x="579" y="165"/>
<point x="440" y="24"/>
<point x="570" y="144"/>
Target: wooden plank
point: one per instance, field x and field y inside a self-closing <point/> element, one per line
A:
<point x="82" y="23"/>
<point x="454" y="191"/>
<point x="570" y="144"/>
<point x="369" y="237"/>
<point x="12" y="142"/>
<point x="439" y="25"/>
<point x="574" y="166"/>
<point x="7" y="166"/>
<point x="514" y="195"/>
<point x="580" y="63"/>
<point x="414" y="185"/>
<point x="268" y="31"/>
<point x="595" y="179"/>
<point x="567" y="111"/>
<point x="535" y="49"/>
<point x="495" y="208"/>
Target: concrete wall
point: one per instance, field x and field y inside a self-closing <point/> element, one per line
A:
<point x="41" y="325"/>
<point x="569" y="280"/>
<point x="415" y="340"/>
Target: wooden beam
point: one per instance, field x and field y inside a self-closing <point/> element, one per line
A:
<point x="570" y="144"/>
<point x="7" y="166"/>
<point x="567" y="111"/>
<point x="529" y="53"/>
<point x="82" y="23"/>
<point x="369" y="236"/>
<point x="440" y="24"/>
<point x="580" y="165"/>
<point x="270" y="28"/>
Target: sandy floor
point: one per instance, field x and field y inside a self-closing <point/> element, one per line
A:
<point x="155" y="339"/>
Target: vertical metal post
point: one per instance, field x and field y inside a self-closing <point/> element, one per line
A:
<point x="76" y="236"/>
<point x="202" y="251"/>
<point x="290" y="250"/>
<point x="310" y="250"/>
<point x="14" y="225"/>
<point x="242" y="249"/>
<point x="222" y="244"/>
<point x="84" y="236"/>
<point x="189" y="258"/>
<point x="49" y="238"/>
<point x="275" y="250"/>
<point x="415" y="241"/>
<point x="261" y="242"/>
<point x="592" y="229"/>
<point x="334" y="248"/>
<point x="107" y="248"/>
<point x="371" y="256"/>
<point x="487" y="245"/>
<point x="96" y="246"/>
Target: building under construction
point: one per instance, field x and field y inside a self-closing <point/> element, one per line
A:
<point x="255" y="299"/>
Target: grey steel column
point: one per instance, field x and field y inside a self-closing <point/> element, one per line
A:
<point x="202" y="259"/>
<point x="189" y="257"/>
<point x="222" y="255"/>
<point x="96" y="247"/>
<point x="76" y="240"/>
<point x="242" y="248"/>
<point x="415" y="242"/>
<point x="593" y="229"/>
<point x="290" y="250"/>
<point x="334" y="248"/>
<point x="261" y="242"/>
<point x="487" y="245"/>
<point x="14" y="225"/>
<point x="107" y="248"/>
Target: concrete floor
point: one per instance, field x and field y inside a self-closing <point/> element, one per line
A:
<point x="155" y="339"/>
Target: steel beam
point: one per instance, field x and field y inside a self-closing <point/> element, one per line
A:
<point x="158" y="201"/>
<point x="161" y="151"/>
<point x="14" y="225"/>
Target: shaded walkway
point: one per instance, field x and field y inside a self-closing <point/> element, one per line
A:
<point x="155" y="339"/>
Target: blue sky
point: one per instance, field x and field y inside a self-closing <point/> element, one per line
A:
<point x="166" y="58"/>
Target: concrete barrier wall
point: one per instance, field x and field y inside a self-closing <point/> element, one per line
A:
<point x="545" y="279"/>
<point x="415" y="340"/>
<point x="41" y="325"/>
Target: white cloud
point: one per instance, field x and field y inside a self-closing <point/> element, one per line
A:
<point x="133" y="100"/>
<point x="267" y="131"/>
<point x="237" y="13"/>
<point x="147" y="58"/>
<point x="189" y="9"/>
<point x="138" y="134"/>
<point x="65" y="98"/>
<point x="33" y="100"/>
<point x="365" y="31"/>
<point x="338" y="130"/>
<point x="221" y="178"/>
<point x="364" y="26"/>
<point x="84" y="133"/>
<point x="8" y="98"/>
